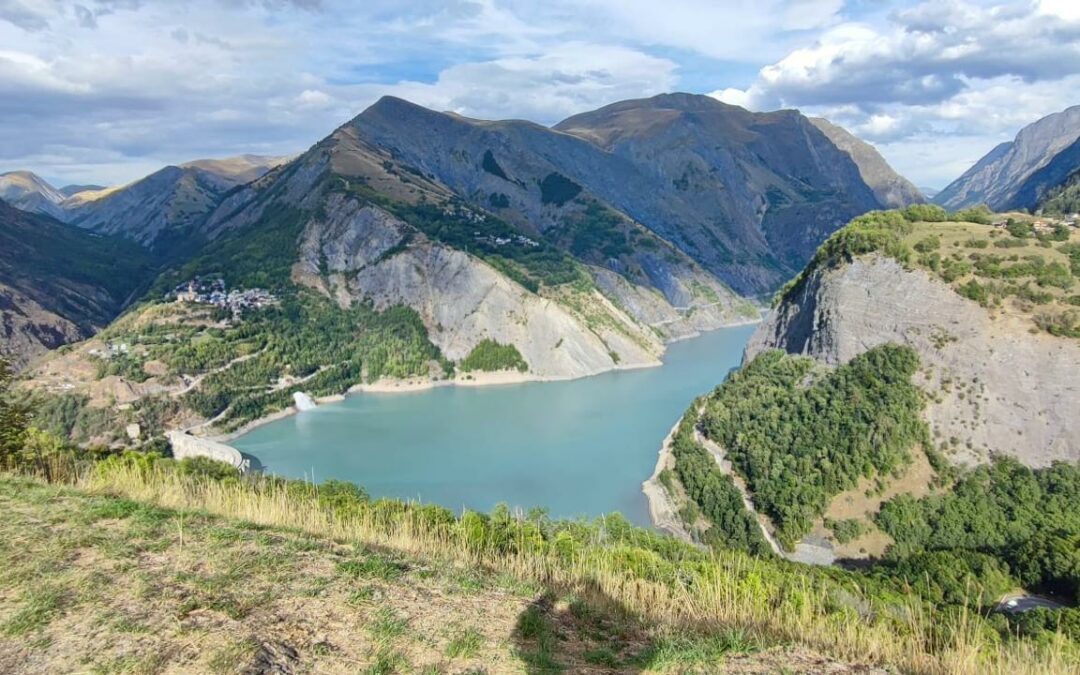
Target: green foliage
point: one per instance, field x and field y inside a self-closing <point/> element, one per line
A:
<point x="13" y="418"/>
<point x="929" y="244"/>
<point x="1021" y="229"/>
<point x="1073" y="253"/>
<point x="1027" y="518"/>
<point x="72" y="417"/>
<point x="846" y="530"/>
<point x="557" y="189"/>
<point x="980" y="215"/>
<point x="876" y="231"/>
<point x="458" y="226"/>
<point x="953" y="577"/>
<point x="596" y="234"/>
<point x="490" y="355"/>
<point x="328" y="350"/>
<point x="1063" y="199"/>
<point x="206" y="467"/>
<point x="925" y="213"/>
<point x="55" y="263"/>
<point x="247" y="258"/>
<point x="715" y="493"/>
<point x="973" y="290"/>
<point x="800" y="444"/>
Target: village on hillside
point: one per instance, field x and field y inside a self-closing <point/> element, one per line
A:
<point x="213" y="292"/>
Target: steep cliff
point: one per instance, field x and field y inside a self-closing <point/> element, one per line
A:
<point x="995" y="386"/>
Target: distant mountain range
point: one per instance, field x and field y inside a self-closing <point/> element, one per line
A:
<point x="675" y="208"/>
<point x="1018" y="173"/>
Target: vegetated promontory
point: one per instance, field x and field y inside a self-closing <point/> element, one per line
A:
<point x="907" y="404"/>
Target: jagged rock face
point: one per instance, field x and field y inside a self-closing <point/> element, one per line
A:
<point x="372" y="256"/>
<point x="993" y="385"/>
<point x="996" y="179"/>
<point x="748" y="196"/>
<point x="891" y="189"/>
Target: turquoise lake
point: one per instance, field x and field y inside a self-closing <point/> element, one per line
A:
<point x="578" y="448"/>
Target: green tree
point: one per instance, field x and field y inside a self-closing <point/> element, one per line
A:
<point x="13" y="418"/>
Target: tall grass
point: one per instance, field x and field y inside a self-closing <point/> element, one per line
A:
<point x="714" y="592"/>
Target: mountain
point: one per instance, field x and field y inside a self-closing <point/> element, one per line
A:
<point x="1064" y="199"/>
<point x="60" y="284"/>
<point x="929" y="192"/>
<point x="239" y="169"/>
<point x="27" y="191"/>
<point x="1034" y="191"/>
<point x="72" y="190"/>
<point x="162" y="210"/>
<point x="998" y="179"/>
<point x="748" y="196"/>
<point x="891" y="189"/>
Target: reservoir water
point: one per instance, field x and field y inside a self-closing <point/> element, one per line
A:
<point x="578" y="448"/>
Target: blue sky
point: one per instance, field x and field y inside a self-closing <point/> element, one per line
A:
<point x="106" y="91"/>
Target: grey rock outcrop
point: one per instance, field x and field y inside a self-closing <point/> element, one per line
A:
<point x="993" y="385"/>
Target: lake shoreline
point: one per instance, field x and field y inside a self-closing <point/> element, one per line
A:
<point x="662" y="511"/>
<point x="475" y="379"/>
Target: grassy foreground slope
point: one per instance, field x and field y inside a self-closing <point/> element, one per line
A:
<point x="115" y="585"/>
<point x="145" y="565"/>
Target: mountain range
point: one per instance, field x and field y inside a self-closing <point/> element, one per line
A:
<point x="674" y="208"/>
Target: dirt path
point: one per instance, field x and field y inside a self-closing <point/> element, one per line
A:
<point x="748" y="502"/>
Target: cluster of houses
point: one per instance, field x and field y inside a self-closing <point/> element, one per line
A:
<point x="517" y="239"/>
<point x="213" y="292"/>
<point x="111" y="350"/>
<point x="464" y="213"/>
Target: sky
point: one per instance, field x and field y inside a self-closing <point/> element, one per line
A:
<point x="107" y="91"/>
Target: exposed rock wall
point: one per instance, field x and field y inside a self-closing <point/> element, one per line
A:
<point x="368" y="254"/>
<point x="994" y="385"/>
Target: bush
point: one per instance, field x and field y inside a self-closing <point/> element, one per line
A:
<point x="490" y="355"/>
<point x="206" y="467"/>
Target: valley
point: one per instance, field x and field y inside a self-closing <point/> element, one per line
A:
<point x="443" y="342"/>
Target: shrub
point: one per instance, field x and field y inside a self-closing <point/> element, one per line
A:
<point x="490" y="355"/>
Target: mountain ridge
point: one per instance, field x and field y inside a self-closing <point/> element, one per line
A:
<point x="999" y="175"/>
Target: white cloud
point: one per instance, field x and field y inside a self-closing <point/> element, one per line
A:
<point x="97" y="90"/>
<point x="947" y="77"/>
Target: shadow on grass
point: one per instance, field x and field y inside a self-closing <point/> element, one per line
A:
<point x="582" y="630"/>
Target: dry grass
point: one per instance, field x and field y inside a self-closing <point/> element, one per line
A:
<point x="731" y="593"/>
<point x="92" y="582"/>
